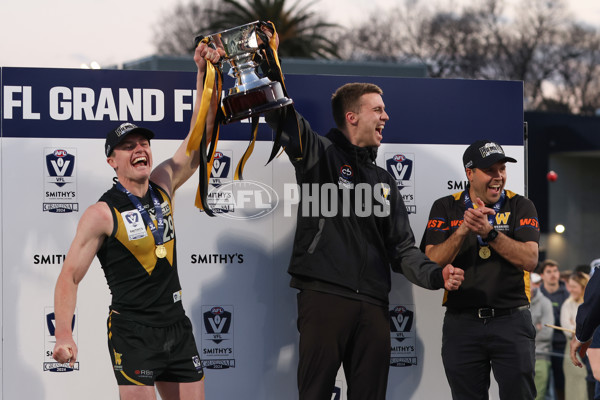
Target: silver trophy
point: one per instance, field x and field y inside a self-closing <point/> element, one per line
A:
<point x="251" y="94"/>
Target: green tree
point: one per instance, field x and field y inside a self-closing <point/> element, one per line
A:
<point x="301" y="32"/>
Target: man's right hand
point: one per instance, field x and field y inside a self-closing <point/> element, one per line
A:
<point x="206" y="53"/>
<point x="269" y="34"/>
<point x="65" y="351"/>
<point x="453" y="277"/>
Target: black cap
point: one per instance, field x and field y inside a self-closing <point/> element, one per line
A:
<point x="484" y="154"/>
<point x="114" y="137"/>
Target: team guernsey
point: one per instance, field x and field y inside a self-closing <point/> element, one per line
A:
<point x="144" y="287"/>
<point x="490" y="280"/>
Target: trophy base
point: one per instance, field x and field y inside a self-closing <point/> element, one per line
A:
<point x="255" y="101"/>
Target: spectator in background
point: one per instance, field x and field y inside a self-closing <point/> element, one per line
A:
<point x="541" y="315"/>
<point x="593" y="386"/>
<point x="565" y="275"/>
<point x="575" y="378"/>
<point x="554" y="289"/>
<point x="583" y="268"/>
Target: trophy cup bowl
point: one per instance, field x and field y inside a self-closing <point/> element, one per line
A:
<point x="251" y="94"/>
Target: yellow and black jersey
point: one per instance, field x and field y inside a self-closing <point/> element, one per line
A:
<point x="492" y="282"/>
<point x="144" y="288"/>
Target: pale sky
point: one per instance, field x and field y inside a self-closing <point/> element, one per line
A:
<point x="68" y="33"/>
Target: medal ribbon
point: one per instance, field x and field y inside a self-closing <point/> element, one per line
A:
<point x="157" y="231"/>
<point x="491" y="218"/>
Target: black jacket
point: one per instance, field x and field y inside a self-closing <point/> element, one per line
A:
<point x="352" y="224"/>
<point x="588" y="314"/>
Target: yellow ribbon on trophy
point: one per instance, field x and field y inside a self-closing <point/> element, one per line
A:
<point x="213" y="80"/>
<point x="275" y="73"/>
<point x="274" y="68"/>
<point x="197" y="141"/>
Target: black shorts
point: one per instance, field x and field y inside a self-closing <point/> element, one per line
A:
<point x="143" y="354"/>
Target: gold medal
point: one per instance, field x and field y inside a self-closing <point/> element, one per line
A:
<point x="160" y="251"/>
<point x="485" y="252"/>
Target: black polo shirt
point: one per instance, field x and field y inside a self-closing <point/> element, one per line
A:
<point x="493" y="282"/>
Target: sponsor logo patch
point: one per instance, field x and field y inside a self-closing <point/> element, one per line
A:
<point x="60" y="183"/>
<point x="217" y="337"/>
<point x="401" y="167"/>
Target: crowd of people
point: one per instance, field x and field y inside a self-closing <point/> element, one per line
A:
<point x="555" y="299"/>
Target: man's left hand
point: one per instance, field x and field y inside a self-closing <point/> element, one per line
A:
<point x="578" y="347"/>
<point x="476" y="219"/>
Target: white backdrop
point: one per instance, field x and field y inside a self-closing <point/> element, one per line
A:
<point x="237" y="266"/>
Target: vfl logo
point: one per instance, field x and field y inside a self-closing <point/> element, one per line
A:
<point x="400" y="167"/>
<point x="132" y="217"/>
<point x="50" y="364"/>
<point x="134" y="225"/>
<point x="196" y="361"/>
<point x="220" y="168"/>
<point x="401" y="320"/>
<point x="217" y="322"/>
<point x="51" y="323"/>
<point x="60" y="164"/>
